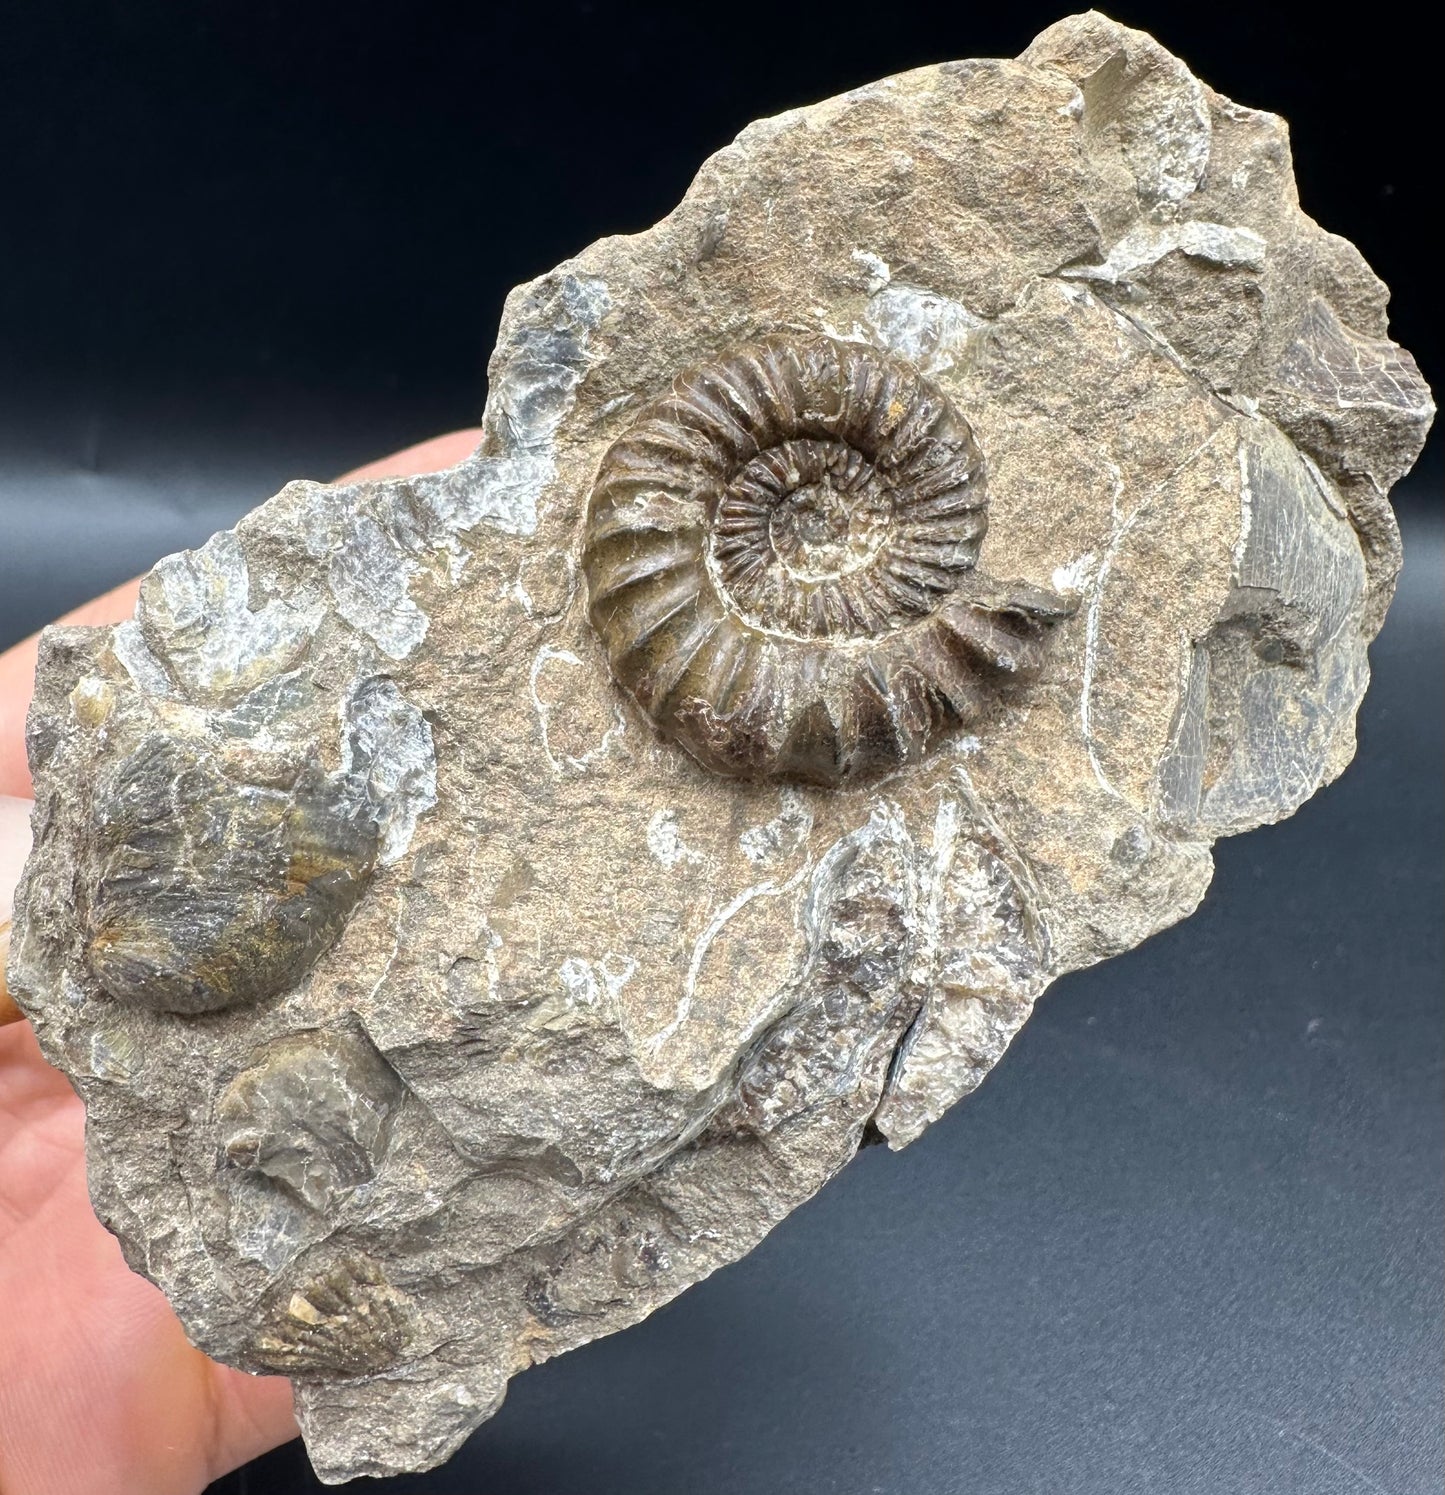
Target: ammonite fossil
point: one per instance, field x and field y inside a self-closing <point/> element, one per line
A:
<point x="780" y="557"/>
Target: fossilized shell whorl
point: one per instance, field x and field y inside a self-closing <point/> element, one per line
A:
<point x="780" y="554"/>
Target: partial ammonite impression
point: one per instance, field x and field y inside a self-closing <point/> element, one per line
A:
<point x="780" y="557"/>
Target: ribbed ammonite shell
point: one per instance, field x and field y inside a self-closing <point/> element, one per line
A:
<point x="780" y="555"/>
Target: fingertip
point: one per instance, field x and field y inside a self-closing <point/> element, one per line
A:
<point x="432" y="455"/>
<point x="17" y="680"/>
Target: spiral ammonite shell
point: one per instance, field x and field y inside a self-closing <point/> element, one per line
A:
<point x="780" y="559"/>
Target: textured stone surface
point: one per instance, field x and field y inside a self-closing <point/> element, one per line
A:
<point x="435" y="1014"/>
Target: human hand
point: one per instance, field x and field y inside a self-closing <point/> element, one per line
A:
<point x="100" y="1391"/>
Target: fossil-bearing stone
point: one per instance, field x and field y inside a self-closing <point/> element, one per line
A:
<point x="475" y="907"/>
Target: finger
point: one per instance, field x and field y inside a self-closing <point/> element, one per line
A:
<point x="17" y="680"/>
<point x="14" y="847"/>
<point x="17" y="665"/>
<point x="426" y="456"/>
<point x="105" y="1393"/>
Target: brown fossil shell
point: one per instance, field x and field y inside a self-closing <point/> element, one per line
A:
<point x="780" y="558"/>
<point x="312" y="1113"/>
<point x="347" y="1320"/>
<point x="209" y="891"/>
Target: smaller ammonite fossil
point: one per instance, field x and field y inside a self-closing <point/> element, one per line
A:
<point x="780" y="557"/>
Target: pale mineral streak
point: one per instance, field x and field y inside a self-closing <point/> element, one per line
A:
<point x="434" y="1015"/>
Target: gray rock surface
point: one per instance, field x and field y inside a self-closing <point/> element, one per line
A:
<point x="434" y="1009"/>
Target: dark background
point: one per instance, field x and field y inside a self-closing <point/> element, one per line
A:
<point x="1187" y="1236"/>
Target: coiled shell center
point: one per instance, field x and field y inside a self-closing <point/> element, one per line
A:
<point x="778" y="556"/>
